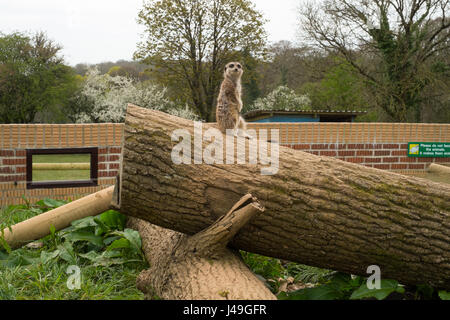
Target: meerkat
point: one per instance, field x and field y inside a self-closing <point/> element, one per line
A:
<point x="229" y="102"/>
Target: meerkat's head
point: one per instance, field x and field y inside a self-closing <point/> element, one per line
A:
<point x="233" y="70"/>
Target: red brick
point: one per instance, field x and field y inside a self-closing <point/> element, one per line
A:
<point x="373" y="146"/>
<point x="12" y="162"/>
<point x="382" y="153"/>
<point x="346" y="153"/>
<point x="364" y="153"/>
<point x="21" y="153"/>
<point x="112" y="173"/>
<point x="397" y="166"/>
<point x="372" y="160"/>
<point x="19" y="178"/>
<point x="113" y="158"/>
<point x="314" y="152"/>
<point x="6" y="170"/>
<point x="404" y="146"/>
<point x="408" y="159"/>
<point x="416" y="166"/>
<point x="102" y="174"/>
<point x="302" y="146"/>
<point x="442" y="160"/>
<point x="6" y="153"/>
<point x="328" y="153"/>
<point x="355" y="160"/>
<point x="427" y="160"/>
<point x="399" y="153"/>
<point x="368" y="165"/>
<point x="13" y="178"/>
<point x="382" y="166"/>
<point x="319" y="146"/>
<point x="114" y="166"/>
<point x="21" y="169"/>
<point x="101" y="158"/>
<point x="391" y="146"/>
<point x="341" y="146"/>
<point x="102" y="150"/>
<point x="355" y="146"/>
<point x="115" y="150"/>
<point x="102" y="166"/>
<point x="390" y="159"/>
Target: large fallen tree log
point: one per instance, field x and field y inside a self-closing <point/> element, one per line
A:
<point x="320" y="211"/>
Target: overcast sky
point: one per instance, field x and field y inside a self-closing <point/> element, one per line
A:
<point x="93" y="31"/>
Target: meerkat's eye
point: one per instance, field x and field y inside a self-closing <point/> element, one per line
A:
<point x="231" y="66"/>
<point x="239" y="66"/>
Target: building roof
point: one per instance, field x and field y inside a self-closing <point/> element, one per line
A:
<point x="258" y="113"/>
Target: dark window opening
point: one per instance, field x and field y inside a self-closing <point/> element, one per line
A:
<point x="62" y="168"/>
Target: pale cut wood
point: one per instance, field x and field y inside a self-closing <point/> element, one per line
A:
<point x="60" y="218"/>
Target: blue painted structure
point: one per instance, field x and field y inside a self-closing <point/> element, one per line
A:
<point x="268" y="116"/>
<point x="289" y="118"/>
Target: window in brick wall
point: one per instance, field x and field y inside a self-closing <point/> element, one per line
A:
<point x="62" y="168"/>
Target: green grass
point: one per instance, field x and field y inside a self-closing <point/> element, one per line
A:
<point x="57" y="175"/>
<point x="108" y="255"/>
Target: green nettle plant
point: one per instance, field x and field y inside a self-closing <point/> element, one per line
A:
<point x="282" y="98"/>
<point x="108" y="254"/>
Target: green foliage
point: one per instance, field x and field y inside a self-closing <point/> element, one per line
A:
<point x="340" y="89"/>
<point x="272" y="271"/>
<point x="386" y="288"/>
<point x="33" y="78"/>
<point x="342" y="287"/>
<point x="108" y="254"/>
<point x="444" y="295"/>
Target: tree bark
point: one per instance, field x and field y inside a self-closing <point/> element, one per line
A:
<point x="199" y="267"/>
<point x="319" y="211"/>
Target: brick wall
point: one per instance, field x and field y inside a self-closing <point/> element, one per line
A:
<point x="378" y="145"/>
<point x="15" y="139"/>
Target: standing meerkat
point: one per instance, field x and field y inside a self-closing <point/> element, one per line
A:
<point x="229" y="102"/>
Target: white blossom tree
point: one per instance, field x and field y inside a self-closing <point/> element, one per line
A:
<point x="109" y="97"/>
<point x="282" y="98"/>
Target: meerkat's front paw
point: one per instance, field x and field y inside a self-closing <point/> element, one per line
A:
<point x="244" y="134"/>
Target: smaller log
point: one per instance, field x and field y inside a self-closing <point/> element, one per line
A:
<point x="436" y="168"/>
<point x="62" y="166"/>
<point x="39" y="226"/>
<point x="199" y="267"/>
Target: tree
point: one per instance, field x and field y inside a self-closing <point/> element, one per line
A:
<point x="282" y="98"/>
<point x="189" y="42"/>
<point x="103" y="98"/>
<point x="340" y="89"/>
<point x="33" y="77"/>
<point x="388" y="42"/>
